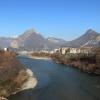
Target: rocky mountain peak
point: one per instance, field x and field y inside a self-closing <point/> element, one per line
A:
<point x="91" y="32"/>
<point x="85" y="38"/>
<point x="30" y="32"/>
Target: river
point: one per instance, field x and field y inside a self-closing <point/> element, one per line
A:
<point x="59" y="82"/>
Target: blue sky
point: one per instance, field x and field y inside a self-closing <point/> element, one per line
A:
<point x="65" y="19"/>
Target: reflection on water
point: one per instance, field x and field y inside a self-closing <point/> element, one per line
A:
<point x="57" y="82"/>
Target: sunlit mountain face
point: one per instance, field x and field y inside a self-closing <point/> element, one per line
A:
<point x="90" y="35"/>
<point x="32" y="40"/>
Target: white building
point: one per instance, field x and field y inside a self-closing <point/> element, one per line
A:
<point x="5" y="49"/>
<point x="64" y="50"/>
<point x="56" y="50"/>
<point x="80" y="50"/>
<point x="74" y="50"/>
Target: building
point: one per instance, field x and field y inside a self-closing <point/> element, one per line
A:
<point x="80" y="50"/>
<point x="6" y="49"/>
<point x="56" y="50"/>
<point x="74" y="50"/>
<point x="64" y="50"/>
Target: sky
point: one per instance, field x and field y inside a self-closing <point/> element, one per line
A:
<point x="67" y="19"/>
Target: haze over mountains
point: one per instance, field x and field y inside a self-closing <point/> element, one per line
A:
<point x="32" y="40"/>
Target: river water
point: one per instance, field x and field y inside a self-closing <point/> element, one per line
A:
<point x="59" y="82"/>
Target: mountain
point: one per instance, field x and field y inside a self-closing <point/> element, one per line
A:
<point x="89" y="35"/>
<point x="56" y="40"/>
<point x="32" y="40"/>
<point x="93" y="43"/>
<point x="5" y="42"/>
<point x="53" y="43"/>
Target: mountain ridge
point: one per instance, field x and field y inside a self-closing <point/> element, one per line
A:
<point x="78" y="42"/>
<point x="32" y="40"/>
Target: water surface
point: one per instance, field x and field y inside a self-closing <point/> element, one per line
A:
<point x="59" y="82"/>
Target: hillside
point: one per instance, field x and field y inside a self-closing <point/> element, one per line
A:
<point x="88" y="36"/>
<point x="93" y="43"/>
<point x="12" y="74"/>
<point x="5" y="42"/>
<point x="32" y="40"/>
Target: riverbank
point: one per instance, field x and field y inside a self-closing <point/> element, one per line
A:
<point x="40" y="55"/>
<point x="42" y="58"/>
<point x="89" y="63"/>
<point x="14" y="76"/>
<point x="57" y="82"/>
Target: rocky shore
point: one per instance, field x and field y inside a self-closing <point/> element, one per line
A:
<point x="43" y="58"/>
<point x="14" y="77"/>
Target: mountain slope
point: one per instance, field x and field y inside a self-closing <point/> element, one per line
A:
<point x="53" y="43"/>
<point x="5" y="42"/>
<point x="93" y="43"/>
<point x="88" y="36"/>
<point x="55" y="40"/>
<point x="31" y="40"/>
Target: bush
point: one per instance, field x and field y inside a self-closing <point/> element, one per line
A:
<point x="86" y="62"/>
